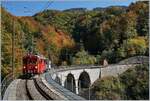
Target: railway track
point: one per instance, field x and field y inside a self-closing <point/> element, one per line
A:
<point x="42" y="92"/>
<point x="26" y="89"/>
<point x="35" y="92"/>
<point x="22" y="91"/>
<point x="37" y="88"/>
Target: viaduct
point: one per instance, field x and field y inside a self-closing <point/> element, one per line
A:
<point x="77" y="78"/>
<point x="74" y="78"/>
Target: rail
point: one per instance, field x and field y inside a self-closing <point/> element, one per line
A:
<point x="41" y="90"/>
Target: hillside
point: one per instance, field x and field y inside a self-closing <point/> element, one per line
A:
<point x="115" y="32"/>
<point x="30" y="35"/>
<point x="67" y="37"/>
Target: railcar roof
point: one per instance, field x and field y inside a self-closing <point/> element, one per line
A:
<point x="34" y="56"/>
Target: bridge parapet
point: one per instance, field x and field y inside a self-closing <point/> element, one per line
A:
<point x="65" y="68"/>
<point x="114" y="70"/>
<point x="135" y="60"/>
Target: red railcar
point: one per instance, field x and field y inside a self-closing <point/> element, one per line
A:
<point x="33" y="64"/>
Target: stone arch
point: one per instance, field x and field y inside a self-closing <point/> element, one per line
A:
<point x="58" y="80"/>
<point x="70" y="83"/>
<point x="84" y="81"/>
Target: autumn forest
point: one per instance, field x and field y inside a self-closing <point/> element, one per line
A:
<point x="77" y="36"/>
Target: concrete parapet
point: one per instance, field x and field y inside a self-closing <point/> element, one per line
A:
<point x="10" y="93"/>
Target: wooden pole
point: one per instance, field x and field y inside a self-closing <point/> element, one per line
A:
<point x="13" y="47"/>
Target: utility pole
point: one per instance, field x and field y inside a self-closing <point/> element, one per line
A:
<point x="13" y="47"/>
<point x="32" y="45"/>
<point x="22" y="46"/>
<point x="66" y="57"/>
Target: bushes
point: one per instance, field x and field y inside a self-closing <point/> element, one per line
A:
<point x="135" y="46"/>
<point x="132" y="84"/>
<point x="82" y="57"/>
<point x="136" y="82"/>
<point x="108" y="88"/>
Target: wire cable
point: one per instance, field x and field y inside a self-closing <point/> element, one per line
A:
<point x="46" y="6"/>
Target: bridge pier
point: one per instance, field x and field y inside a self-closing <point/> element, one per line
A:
<point x="63" y="80"/>
<point x="76" y="84"/>
<point x="62" y="84"/>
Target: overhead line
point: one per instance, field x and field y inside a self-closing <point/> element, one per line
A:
<point x="46" y="6"/>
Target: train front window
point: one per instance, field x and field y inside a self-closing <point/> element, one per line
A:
<point x="24" y="61"/>
<point x="32" y="61"/>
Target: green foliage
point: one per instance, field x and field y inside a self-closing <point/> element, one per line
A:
<point x="135" y="46"/>
<point x="66" y="56"/>
<point x="103" y="30"/>
<point x="82" y="57"/>
<point x="141" y="9"/>
<point x="131" y="85"/>
<point x="109" y="88"/>
<point x="136" y="83"/>
<point x="116" y="10"/>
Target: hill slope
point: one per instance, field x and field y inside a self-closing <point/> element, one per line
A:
<point x="30" y="35"/>
<point x="113" y="33"/>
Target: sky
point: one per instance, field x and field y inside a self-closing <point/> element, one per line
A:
<point x="31" y="7"/>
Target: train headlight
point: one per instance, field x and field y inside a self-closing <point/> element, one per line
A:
<point x="24" y="67"/>
<point x="36" y="67"/>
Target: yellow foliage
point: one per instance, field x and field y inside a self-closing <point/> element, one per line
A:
<point x="137" y="45"/>
<point x="138" y="41"/>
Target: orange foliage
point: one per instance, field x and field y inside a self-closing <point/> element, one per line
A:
<point x="30" y="23"/>
<point x="40" y="46"/>
<point x="49" y="33"/>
